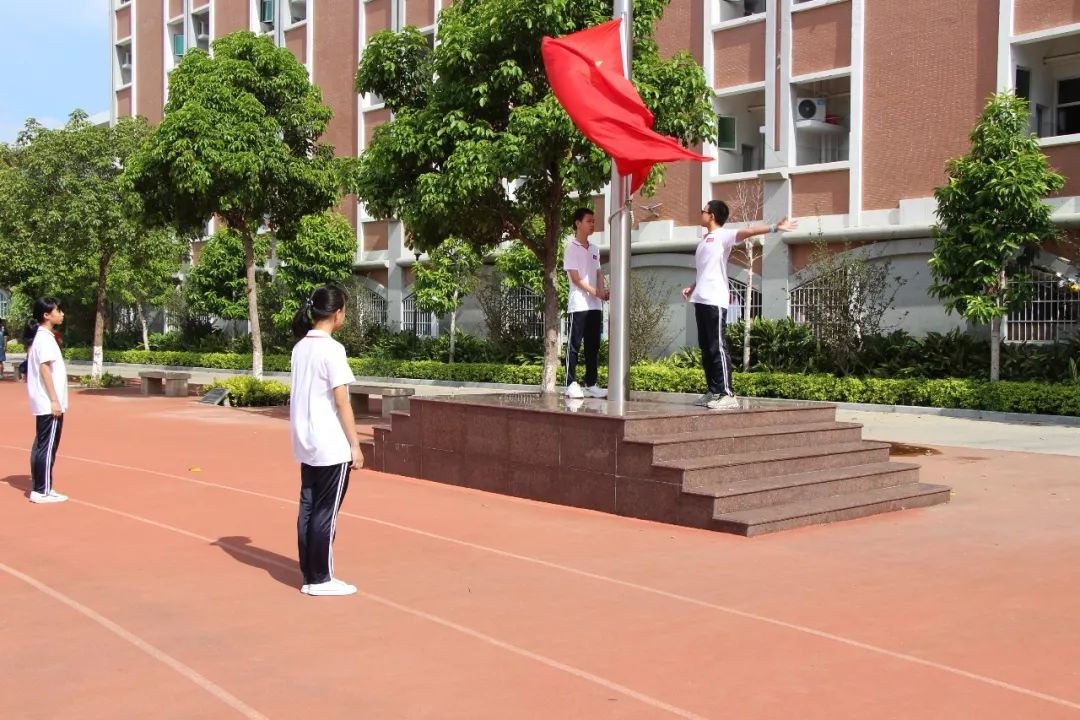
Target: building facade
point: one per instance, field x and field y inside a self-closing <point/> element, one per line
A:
<point x="841" y="113"/>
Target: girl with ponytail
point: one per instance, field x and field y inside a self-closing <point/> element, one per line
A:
<point x="323" y="435"/>
<point x="46" y="384"/>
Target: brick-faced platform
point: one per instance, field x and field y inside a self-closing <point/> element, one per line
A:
<point x="765" y="467"/>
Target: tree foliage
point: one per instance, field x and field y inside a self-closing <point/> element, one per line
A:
<point x="66" y="215"/>
<point x="480" y="149"/>
<point x="320" y="249"/>
<point x="991" y="218"/>
<point x="216" y="283"/>
<point x="239" y="139"/>
<point x="444" y="281"/>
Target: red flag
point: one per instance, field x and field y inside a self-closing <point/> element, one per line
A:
<point x="585" y="70"/>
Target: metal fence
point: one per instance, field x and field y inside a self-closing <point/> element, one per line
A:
<point x="1052" y="313"/>
<point x="5" y="304"/>
<point x="371" y="307"/>
<point x="523" y="307"/>
<point x="416" y="321"/>
<point x="738" y="301"/>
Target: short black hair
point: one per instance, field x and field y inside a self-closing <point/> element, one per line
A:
<point x="719" y="210"/>
<point x="580" y="214"/>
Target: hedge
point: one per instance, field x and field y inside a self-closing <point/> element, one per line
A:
<point x="1003" y="396"/>
<point x="246" y="391"/>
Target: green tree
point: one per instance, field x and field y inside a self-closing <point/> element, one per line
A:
<point x="480" y="149"/>
<point x="320" y="250"/>
<point x="217" y="281"/>
<point x="239" y="139"/>
<point x="65" y="214"/>
<point x="992" y="219"/>
<point x="144" y="275"/>
<point x="444" y="281"/>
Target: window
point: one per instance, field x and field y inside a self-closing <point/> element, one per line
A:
<point x="266" y="11"/>
<point x="123" y="63"/>
<point x="1068" y="106"/>
<point x="5" y="301"/>
<point x="726" y="135"/>
<point x="737" y="301"/>
<point x="524" y="313"/>
<point x="178" y="45"/>
<point x="297" y="11"/>
<point x="1023" y="83"/>
<point x="734" y="9"/>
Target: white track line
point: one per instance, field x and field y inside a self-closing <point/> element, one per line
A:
<point x="159" y="655"/>
<point x="543" y="659"/>
<point x="627" y="584"/>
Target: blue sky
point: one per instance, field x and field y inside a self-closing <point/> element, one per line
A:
<point x="55" y="60"/>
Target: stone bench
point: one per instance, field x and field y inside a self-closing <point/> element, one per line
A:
<point x="393" y="397"/>
<point x="164" y="382"/>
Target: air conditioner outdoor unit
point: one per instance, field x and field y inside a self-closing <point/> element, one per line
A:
<point x="810" y="109"/>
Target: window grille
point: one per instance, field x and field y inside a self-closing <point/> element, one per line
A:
<point x="371" y="307"/>
<point x="1052" y="313"/>
<point x="524" y="311"/>
<point x="416" y="321"/>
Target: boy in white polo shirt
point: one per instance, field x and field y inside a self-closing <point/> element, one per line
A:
<point x="710" y="296"/>
<point x="585" y="303"/>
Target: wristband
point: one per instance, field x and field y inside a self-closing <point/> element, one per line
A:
<point x="772" y="229"/>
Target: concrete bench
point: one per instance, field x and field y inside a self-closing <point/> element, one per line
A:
<point x="393" y="397"/>
<point x="164" y="382"/>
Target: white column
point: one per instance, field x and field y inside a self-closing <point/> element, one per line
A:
<point x="1006" y="14"/>
<point x="855" y="138"/>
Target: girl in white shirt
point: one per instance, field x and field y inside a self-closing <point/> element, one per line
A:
<point x="46" y="386"/>
<point x="323" y="435"/>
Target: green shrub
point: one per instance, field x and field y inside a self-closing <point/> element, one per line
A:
<point x="667" y="376"/>
<point x="246" y="391"/>
<point x="105" y="381"/>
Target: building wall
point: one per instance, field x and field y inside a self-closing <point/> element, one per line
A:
<point x="230" y="16"/>
<point x="739" y="55"/>
<point x="821" y="38"/>
<point x="930" y="68"/>
<point x="149" y="66"/>
<point x="1033" y="15"/>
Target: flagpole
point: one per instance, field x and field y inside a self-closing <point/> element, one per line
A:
<point x="619" y="252"/>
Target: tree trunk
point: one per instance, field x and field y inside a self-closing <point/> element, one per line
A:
<point x="142" y="321"/>
<point x="551" y="312"/>
<point x="746" y="304"/>
<point x="253" y="305"/>
<point x="99" y="317"/>
<point x="995" y="349"/>
<point x="453" y="333"/>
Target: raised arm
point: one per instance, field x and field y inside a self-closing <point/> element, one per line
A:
<point x="784" y="225"/>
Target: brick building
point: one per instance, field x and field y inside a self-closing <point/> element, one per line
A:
<point x="841" y="113"/>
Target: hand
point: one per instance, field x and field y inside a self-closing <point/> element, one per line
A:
<point x="686" y="293"/>
<point x="786" y="225"/>
<point x="605" y="294"/>
<point x="357" y="457"/>
<point x="55" y="409"/>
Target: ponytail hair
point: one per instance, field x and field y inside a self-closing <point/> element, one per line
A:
<point x="42" y="307"/>
<point x="323" y="303"/>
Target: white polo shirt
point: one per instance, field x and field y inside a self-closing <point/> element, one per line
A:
<point x="319" y="365"/>
<point x="45" y="350"/>
<point x="711" y="260"/>
<point x="586" y="260"/>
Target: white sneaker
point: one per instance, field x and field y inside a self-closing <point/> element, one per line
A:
<point x="49" y="497"/>
<point x="573" y="390"/>
<point x="304" y="588"/>
<point x="574" y="404"/>
<point x="331" y="587"/>
<point x="724" y="402"/>
<point x="705" y="399"/>
<point x="595" y="391"/>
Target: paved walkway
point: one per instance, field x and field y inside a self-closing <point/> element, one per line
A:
<point x="172" y="570"/>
